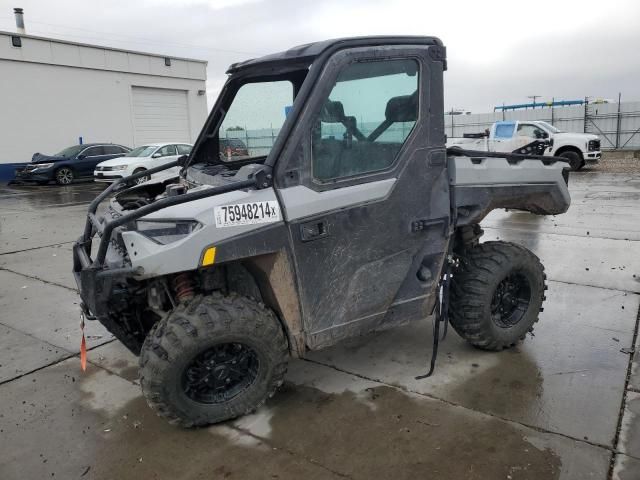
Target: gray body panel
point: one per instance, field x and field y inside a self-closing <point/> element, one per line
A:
<point x="156" y="259"/>
<point x="301" y="201"/>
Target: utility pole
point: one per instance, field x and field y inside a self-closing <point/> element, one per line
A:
<point x="534" y="97"/>
<point x="618" y="122"/>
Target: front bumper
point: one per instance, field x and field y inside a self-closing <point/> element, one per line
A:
<point x="107" y="177"/>
<point x="97" y="277"/>
<point x="95" y="284"/>
<point x="34" y="176"/>
<point x="592" y="158"/>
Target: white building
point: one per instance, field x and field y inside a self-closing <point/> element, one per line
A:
<point x="54" y="92"/>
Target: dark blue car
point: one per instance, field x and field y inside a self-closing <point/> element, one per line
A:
<point x="71" y="163"/>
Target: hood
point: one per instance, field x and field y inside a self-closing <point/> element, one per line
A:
<point x="571" y="135"/>
<point x="122" y="161"/>
<point x="42" y="158"/>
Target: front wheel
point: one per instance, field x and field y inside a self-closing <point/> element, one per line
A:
<point x="213" y="358"/>
<point x="497" y="293"/>
<point x="575" y="160"/>
<point x="143" y="179"/>
<point x="64" y="176"/>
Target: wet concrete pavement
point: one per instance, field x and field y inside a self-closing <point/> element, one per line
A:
<point x="551" y="408"/>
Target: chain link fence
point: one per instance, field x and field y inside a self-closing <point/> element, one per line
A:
<point x="617" y="124"/>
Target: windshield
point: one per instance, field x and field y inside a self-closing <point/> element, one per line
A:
<point x="70" y="151"/>
<point x="550" y="127"/>
<point x="254" y="119"/>
<point x="143" y="151"/>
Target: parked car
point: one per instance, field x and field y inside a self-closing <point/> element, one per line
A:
<point x="233" y="147"/>
<point x="71" y="163"/>
<point x="140" y="159"/>
<point x="520" y="135"/>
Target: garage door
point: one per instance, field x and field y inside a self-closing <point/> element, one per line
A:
<point x="160" y="115"/>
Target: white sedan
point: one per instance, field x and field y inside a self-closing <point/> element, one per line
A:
<point x="140" y="159"/>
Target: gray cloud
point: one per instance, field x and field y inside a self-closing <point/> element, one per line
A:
<point x="497" y="50"/>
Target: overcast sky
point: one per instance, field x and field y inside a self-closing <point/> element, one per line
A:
<point x="498" y="51"/>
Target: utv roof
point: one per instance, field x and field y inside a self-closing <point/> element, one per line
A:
<point x="309" y="52"/>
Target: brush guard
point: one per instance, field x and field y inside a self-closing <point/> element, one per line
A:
<point x="93" y="278"/>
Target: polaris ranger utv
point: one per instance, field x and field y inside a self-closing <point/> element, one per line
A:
<point x="353" y="217"/>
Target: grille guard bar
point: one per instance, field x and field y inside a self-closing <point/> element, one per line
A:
<point x="93" y="225"/>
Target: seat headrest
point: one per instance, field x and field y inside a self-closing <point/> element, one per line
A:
<point x="332" y="112"/>
<point x="402" y="109"/>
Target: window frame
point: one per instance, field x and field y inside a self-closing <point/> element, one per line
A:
<point x="291" y="161"/>
<point x="393" y="164"/>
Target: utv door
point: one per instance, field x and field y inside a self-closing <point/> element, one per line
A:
<point x="366" y="194"/>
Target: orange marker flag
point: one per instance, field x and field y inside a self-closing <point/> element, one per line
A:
<point x="83" y="346"/>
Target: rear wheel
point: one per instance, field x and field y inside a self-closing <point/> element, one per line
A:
<point x="575" y="160"/>
<point x="213" y="358"/>
<point x="64" y="176"/>
<point x="496" y="296"/>
<point x="144" y="178"/>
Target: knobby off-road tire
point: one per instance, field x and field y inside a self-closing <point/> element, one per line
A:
<point x="496" y="295"/>
<point x="189" y="356"/>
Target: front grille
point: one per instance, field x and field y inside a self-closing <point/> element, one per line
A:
<point x="104" y="169"/>
<point x="594" y="145"/>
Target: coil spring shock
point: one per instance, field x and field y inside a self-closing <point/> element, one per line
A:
<point x="183" y="286"/>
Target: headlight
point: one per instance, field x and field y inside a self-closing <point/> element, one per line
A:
<point x="165" y="232"/>
<point x="42" y="165"/>
<point x="119" y="167"/>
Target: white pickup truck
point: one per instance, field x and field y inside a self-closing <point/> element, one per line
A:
<point x="534" y="136"/>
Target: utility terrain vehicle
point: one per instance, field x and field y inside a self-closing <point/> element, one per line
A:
<point x="347" y="215"/>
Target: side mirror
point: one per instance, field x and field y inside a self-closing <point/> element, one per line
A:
<point x="156" y="155"/>
<point x="82" y="156"/>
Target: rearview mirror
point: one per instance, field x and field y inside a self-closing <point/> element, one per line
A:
<point x="156" y="155"/>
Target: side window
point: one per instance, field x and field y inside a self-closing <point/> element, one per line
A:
<point x="504" y="130"/>
<point x="526" y="130"/>
<point x="366" y="119"/>
<point x="530" y="130"/>
<point x="112" y="150"/>
<point x="93" y="152"/>
<point x="167" y="150"/>
<point x="184" y="149"/>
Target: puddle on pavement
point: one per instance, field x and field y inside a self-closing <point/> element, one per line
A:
<point x="100" y="426"/>
<point x="124" y="369"/>
<point x="511" y="388"/>
<point x="403" y="437"/>
<point x="400" y="437"/>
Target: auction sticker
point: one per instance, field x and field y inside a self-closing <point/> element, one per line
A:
<point x="247" y="213"/>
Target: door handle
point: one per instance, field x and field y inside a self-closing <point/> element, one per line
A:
<point x="313" y="230"/>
